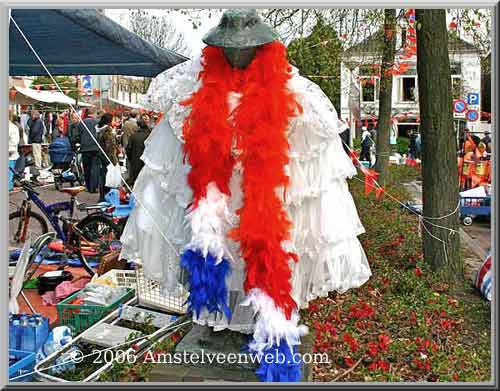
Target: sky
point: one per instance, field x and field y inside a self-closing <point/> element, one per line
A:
<point x="192" y="36"/>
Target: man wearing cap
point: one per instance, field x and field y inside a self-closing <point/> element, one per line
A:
<point x="128" y="129"/>
<point x="244" y="191"/>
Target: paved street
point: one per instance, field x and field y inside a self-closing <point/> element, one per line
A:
<point x="48" y="194"/>
<point x="476" y="237"/>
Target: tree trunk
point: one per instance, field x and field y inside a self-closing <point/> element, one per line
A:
<point x="385" y="95"/>
<point x="439" y="159"/>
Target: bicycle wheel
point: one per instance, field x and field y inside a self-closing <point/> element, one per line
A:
<point x="94" y="237"/>
<point x="19" y="228"/>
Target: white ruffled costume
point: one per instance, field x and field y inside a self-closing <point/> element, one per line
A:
<point x="318" y="201"/>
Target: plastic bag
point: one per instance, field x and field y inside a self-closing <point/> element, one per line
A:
<point x="113" y="176"/>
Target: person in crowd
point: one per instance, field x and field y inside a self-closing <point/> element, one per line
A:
<point x="13" y="138"/>
<point x="58" y="130"/>
<point x="17" y="121"/>
<point x="147" y="119"/>
<point x="480" y="152"/>
<point x="89" y="150"/>
<point x="487" y="141"/>
<point x="13" y="148"/>
<point x="73" y="131"/>
<point x="135" y="148"/>
<point x="412" y="148"/>
<point x="418" y="146"/>
<point x="35" y="137"/>
<point x="470" y="144"/>
<point x="107" y="141"/>
<point x="366" y="143"/>
<point x="129" y="127"/>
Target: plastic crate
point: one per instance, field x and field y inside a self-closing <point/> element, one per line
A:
<point x="20" y="363"/>
<point x="150" y="295"/>
<point x="123" y="278"/>
<point x="80" y="317"/>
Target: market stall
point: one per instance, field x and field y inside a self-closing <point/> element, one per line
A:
<point x="87" y="43"/>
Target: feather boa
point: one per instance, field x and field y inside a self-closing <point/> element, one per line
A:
<point x="258" y="125"/>
<point x="256" y="132"/>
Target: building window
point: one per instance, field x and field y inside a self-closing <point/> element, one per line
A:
<point x="369" y="87"/>
<point x="408" y="89"/>
<point x="456" y="87"/>
<point x="403" y="37"/>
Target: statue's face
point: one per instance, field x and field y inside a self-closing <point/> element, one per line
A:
<point x="240" y="58"/>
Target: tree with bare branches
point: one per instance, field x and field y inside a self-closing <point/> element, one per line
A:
<point x="159" y="30"/>
<point x="441" y="241"/>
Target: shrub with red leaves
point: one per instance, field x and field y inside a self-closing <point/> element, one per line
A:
<point x="348" y="361"/>
<point x="361" y="311"/>
<point x="381" y="365"/>
<point x="383" y="342"/>
<point x="351" y="341"/>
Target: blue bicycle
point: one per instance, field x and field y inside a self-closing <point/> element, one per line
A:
<point x="93" y="236"/>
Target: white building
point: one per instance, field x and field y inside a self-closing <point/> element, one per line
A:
<point x="360" y="87"/>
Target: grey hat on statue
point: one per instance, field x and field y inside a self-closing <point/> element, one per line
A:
<point x="240" y="28"/>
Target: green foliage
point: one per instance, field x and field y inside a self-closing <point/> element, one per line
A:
<point x="65" y="82"/>
<point x="319" y="54"/>
<point x="403" y="143"/>
<point x="405" y="323"/>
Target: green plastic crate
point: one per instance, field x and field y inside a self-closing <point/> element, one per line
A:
<point x="80" y="317"/>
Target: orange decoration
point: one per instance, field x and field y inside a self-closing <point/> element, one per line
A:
<point x="379" y="191"/>
<point x="260" y="124"/>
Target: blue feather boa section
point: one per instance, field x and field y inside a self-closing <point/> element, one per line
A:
<point x="207" y="282"/>
<point x="281" y="364"/>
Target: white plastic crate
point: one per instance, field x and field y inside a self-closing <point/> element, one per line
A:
<point x="122" y="278"/>
<point x="149" y="295"/>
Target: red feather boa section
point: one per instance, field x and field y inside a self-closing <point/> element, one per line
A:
<point x="258" y="128"/>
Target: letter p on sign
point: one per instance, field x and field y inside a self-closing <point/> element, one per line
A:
<point x="473" y="98"/>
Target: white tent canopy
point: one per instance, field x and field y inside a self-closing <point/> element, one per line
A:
<point x="126" y="104"/>
<point x="47" y="97"/>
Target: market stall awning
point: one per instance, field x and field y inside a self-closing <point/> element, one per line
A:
<point x="30" y="96"/>
<point x="126" y="104"/>
<point x="81" y="42"/>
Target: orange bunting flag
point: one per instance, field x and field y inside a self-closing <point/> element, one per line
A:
<point x="353" y="156"/>
<point x="13" y="94"/>
<point x="370" y="178"/>
<point x="379" y="191"/>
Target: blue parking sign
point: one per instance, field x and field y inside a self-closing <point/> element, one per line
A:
<point x="473" y="98"/>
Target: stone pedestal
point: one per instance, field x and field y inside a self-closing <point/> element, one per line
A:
<point x="202" y="341"/>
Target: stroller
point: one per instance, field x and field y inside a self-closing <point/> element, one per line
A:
<point x="65" y="166"/>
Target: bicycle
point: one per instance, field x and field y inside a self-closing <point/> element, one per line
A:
<point x="93" y="236"/>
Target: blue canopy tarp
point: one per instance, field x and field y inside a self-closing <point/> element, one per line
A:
<point x="81" y="41"/>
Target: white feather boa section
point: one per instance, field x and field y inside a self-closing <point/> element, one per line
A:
<point x="272" y="326"/>
<point x="210" y="222"/>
